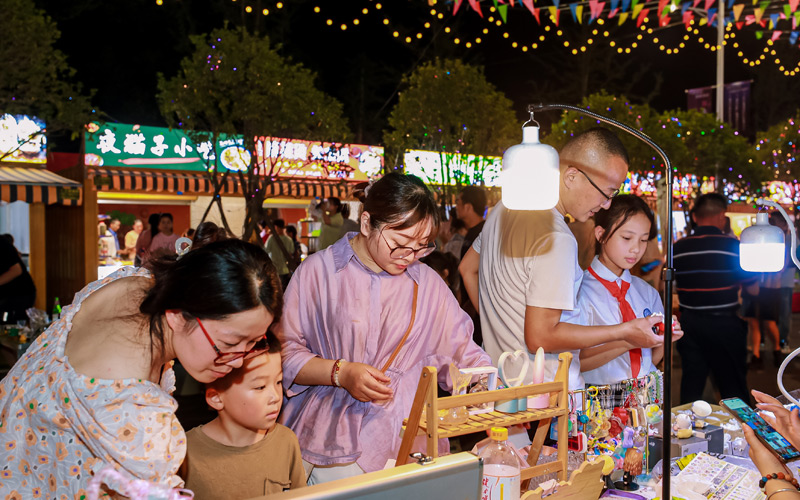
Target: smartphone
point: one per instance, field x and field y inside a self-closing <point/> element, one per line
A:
<point x="782" y="448"/>
<point x="646" y="268"/>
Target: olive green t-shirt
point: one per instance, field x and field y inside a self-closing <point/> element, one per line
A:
<point x="214" y="471"/>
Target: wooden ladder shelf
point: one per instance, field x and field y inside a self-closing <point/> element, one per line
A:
<point x="426" y="398"/>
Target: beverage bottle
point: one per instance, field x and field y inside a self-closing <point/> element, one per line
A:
<point x="501" y="480"/>
<point x="56" y="310"/>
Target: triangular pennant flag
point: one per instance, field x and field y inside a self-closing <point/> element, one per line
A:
<point x="730" y="3"/>
<point x="642" y="15"/>
<point x="793" y="37"/>
<point x="737" y="10"/>
<point x="634" y="3"/>
<point x="596" y="7"/>
<point x="709" y="3"/>
<point x="662" y="4"/>
<point x="622" y="18"/>
<point x="573" y="7"/>
<point x="773" y="20"/>
<point x="758" y="13"/>
<point x="793" y="4"/>
<point x="794" y="22"/>
<point x="797" y="16"/>
<point x="512" y="2"/>
<point x="556" y="3"/>
<point x="712" y="15"/>
<point x="685" y="7"/>
<point x="529" y="5"/>
<point x="503" y="10"/>
<point x="759" y="35"/>
<point x="755" y="2"/>
<point x="783" y="15"/>
<point x="495" y="3"/>
<point x="580" y="13"/>
<point x="637" y="9"/>
<point x="536" y="15"/>
<point x="663" y="21"/>
<point x="614" y="5"/>
<point x="687" y="18"/>
<point x="613" y="13"/>
<point x="626" y="4"/>
<point x="776" y="34"/>
<point x="763" y="5"/>
<point x="739" y="25"/>
<point x="703" y="21"/>
<point x="554" y="14"/>
<point x="476" y="6"/>
<point x="694" y="5"/>
<point x="456" y="5"/>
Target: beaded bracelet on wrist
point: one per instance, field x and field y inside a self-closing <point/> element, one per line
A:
<point x="777" y="475"/>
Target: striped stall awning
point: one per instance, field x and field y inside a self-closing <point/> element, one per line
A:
<point x="37" y="185"/>
<point x="198" y="183"/>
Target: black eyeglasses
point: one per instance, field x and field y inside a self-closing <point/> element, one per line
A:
<point x="607" y="197"/>
<point x="403" y="252"/>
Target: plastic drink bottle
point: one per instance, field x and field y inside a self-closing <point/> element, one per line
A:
<point x="56" y="310"/>
<point x="501" y="479"/>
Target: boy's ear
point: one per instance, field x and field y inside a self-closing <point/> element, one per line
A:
<point x="214" y="399"/>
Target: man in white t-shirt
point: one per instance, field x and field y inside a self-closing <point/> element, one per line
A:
<point x="523" y="268"/>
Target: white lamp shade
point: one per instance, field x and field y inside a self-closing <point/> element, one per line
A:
<point x="530" y="176"/>
<point x="762" y="246"/>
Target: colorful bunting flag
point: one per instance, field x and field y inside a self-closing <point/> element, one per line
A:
<point x="688" y="15"/>
<point x="776" y="34"/>
<point x="758" y="13"/>
<point x="476" y="6"/>
<point x="642" y="15"/>
<point x="529" y="5"/>
<point x="622" y="18"/>
<point x="554" y="13"/>
<point x="596" y="8"/>
<point x="662" y="4"/>
<point x="614" y="5"/>
<point x="613" y="13"/>
<point x="730" y="3"/>
<point x="456" y="5"/>
<point x="694" y="5"/>
<point x="740" y="25"/>
<point x="536" y="14"/>
<point x="793" y="4"/>
<point x="737" y="10"/>
<point x="759" y="35"/>
<point x="503" y="10"/>
<point x="793" y="37"/>
<point x="573" y="7"/>
<point x="773" y="20"/>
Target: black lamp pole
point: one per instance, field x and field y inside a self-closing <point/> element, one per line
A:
<point x="669" y="275"/>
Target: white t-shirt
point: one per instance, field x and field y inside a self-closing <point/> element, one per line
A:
<point x="528" y="258"/>
<point x="596" y="307"/>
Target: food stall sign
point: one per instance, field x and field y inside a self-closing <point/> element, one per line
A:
<point x="459" y="169"/>
<point x="138" y="146"/>
<point x="22" y="139"/>
<point x="278" y="157"/>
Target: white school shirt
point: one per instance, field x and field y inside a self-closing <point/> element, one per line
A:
<point x="596" y="306"/>
<point x="527" y="258"/>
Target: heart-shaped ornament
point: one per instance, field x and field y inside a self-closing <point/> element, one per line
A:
<point x="513" y="367"/>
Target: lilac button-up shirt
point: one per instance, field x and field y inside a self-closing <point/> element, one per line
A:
<point x="335" y="307"/>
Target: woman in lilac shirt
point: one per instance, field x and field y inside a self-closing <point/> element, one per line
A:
<point x="346" y="310"/>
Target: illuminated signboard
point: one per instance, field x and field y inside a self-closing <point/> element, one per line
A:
<point x="22" y="139"/>
<point x="137" y="146"/>
<point x="460" y="169"/>
<point x="317" y="160"/>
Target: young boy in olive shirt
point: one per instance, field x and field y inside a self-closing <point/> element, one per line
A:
<point x="244" y="453"/>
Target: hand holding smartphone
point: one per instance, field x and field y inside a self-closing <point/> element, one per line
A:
<point x="773" y="440"/>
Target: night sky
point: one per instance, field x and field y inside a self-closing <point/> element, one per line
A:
<point x="119" y="47"/>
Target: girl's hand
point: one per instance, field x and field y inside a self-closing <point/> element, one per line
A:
<point x="365" y="383"/>
<point x="677" y="332"/>
<point x="785" y="422"/>
<point x="766" y="462"/>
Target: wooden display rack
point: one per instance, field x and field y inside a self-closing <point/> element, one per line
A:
<point x="426" y="398"/>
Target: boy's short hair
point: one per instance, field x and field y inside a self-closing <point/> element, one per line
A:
<point x="224" y="383"/>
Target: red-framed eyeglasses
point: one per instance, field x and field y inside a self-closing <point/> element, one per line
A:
<point x="261" y="346"/>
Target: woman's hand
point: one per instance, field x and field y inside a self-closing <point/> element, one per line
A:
<point x="365" y="383"/>
<point x="785" y="422"/>
<point x="764" y="459"/>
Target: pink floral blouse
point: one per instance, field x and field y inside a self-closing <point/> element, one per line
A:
<point x="58" y="427"/>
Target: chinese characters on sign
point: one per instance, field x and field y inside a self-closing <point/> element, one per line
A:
<point x="120" y="145"/>
<point x="317" y="160"/>
<point x="22" y="139"/>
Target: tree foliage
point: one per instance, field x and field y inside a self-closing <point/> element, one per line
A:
<point x="695" y="142"/>
<point x="36" y="79"/>
<point x="776" y="149"/>
<point x="450" y="107"/>
<point x="236" y="83"/>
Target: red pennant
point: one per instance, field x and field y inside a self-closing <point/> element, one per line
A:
<point x="661" y="5"/>
<point x="709" y="3"/>
<point x="613" y="13"/>
<point x="536" y="14"/>
<point x="476" y="6"/>
<point x="529" y="5"/>
<point x="739" y="25"/>
<point x="641" y="17"/>
<point x="457" y="4"/>
<point x="664" y="21"/>
<point x="776" y="34"/>
<point x="712" y="19"/>
<point x="793" y="4"/>
<point x="696" y="2"/>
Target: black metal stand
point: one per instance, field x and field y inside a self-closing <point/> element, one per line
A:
<point x="668" y="276"/>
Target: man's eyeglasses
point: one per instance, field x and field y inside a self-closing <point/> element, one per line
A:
<point x="607" y="197"/>
<point x="403" y="252"/>
<point x="261" y="346"/>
